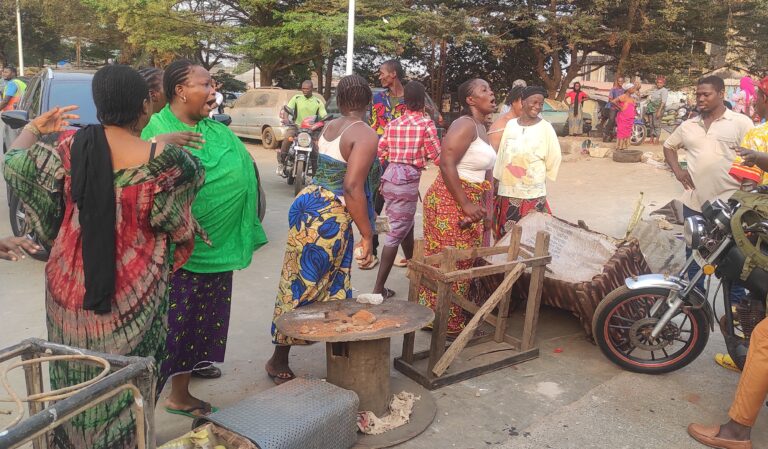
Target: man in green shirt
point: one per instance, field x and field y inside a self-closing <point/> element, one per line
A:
<point x="304" y="105"/>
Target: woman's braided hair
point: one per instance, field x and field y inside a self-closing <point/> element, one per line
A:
<point x="354" y="94"/>
<point x="467" y="89"/>
<point x="176" y="73"/>
<point x="153" y="76"/>
<point x="119" y="93"/>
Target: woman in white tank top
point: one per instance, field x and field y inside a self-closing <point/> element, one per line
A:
<point x="457" y="205"/>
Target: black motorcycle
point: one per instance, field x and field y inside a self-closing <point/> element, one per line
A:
<point x="301" y="160"/>
<point x="658" y="323"/>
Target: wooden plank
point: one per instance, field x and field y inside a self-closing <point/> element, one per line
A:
<point x="470" y="307"/>
<point x="471" y="253"/>
<point x="534" y="293"/>
<point x="501" y="318"/>
<point x="409" y="339"/>
<point x="471" y="273"/>
<point x="442" y="310"/>
<point x="432" y="383"/>
<point x="33" y="375"/>
<point x="428" y="270"/>
<point x="439" y="368"/>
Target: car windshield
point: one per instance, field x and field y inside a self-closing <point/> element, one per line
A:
<point x="64" y="93"/>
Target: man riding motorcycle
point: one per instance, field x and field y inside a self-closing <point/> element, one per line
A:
<point x="304" y="105"/>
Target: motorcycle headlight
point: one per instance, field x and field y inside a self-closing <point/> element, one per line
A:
<point x="304" y="140"/>
<point x="693" y="231"/>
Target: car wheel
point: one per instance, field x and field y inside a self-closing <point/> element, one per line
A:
<point x="18" y="215"/>
<point x="268" y="139"/>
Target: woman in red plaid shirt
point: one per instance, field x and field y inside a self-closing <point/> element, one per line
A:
<point x="408" y="141"/>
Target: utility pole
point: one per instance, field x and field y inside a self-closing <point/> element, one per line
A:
<point x="18" y="32"/>
<point x="350" y="37"/>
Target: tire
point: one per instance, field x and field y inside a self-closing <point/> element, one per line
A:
<point x="639" y="133"/>
<point x="18" y="226"/>
<point x="268" y="139"/>
<point x="17" y="215"/>
<point x="619" y="302"/>
<point x="301" y="177"/>
<point x="627" y="156"/>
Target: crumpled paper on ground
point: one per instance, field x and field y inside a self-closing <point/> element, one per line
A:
<point x="399" y="414"/>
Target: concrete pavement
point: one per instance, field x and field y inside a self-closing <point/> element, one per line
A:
<point x="573" y="398"/>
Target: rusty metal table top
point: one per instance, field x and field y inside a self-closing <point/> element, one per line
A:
<point x="331" y="321"/>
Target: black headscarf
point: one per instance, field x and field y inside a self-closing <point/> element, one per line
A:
<point x="93" y="191"/>
<point x="534" y="90"/>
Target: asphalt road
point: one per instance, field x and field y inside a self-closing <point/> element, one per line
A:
<point x="569" y="398"/>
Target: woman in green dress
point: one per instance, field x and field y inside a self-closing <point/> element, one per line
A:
<point x="226" y="207"/>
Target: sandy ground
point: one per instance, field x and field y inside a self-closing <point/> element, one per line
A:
<point x="570" y="398"/>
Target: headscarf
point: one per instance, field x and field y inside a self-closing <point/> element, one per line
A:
<point x="748" y="86"/>
<point x="763" y="85"/>
<point x="534" y="90"/>
<point x="93" y="191"/>
<point x="519" y="83"/>
<point x="626" y="86"/>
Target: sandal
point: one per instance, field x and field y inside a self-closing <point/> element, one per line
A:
<point x="281" y="377"/>
<point x="387" y="293"/>
<point x="402" y="263"/>
<point x="209" y="372"/>
<point x="205" y="407"/>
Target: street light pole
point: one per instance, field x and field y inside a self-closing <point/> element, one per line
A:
<point x="18" y="33"/>
<point x="350" y="36"/>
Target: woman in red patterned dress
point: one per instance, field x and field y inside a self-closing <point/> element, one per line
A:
<point x="111" y="205"/>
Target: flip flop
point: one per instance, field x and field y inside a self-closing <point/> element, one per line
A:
<point x="209" y="372"/>
<point x="387" y="293"/>
<point x="726" y="362"/>
<point x="402" y="263"/>
<point x="205" y="407"/>
<point x="281" y="377"/>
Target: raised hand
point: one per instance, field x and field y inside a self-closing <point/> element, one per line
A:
<point x="55" y="120"/>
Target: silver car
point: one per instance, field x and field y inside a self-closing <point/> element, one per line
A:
<point x="256" y="114"/>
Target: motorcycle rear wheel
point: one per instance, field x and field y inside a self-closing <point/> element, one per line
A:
<point x="621" y="326"/>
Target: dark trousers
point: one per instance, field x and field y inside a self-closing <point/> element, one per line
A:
<point x="292" y="131"/>
<point x="378" y="206"/>
<point x="737" y="290"/>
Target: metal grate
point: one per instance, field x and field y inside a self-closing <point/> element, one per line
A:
<point x="300" y="414"/>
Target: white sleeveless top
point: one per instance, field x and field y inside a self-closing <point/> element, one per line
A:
<point x="479" y="158"/>
<point x="332" y="148"/>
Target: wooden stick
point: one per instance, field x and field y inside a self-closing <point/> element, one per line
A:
<point x="463" y="338"/>
<point x="409" y="339"/>
<point x="442" y="309"/>
<point x="501" y="318"/>
<point x="534" y="293"/>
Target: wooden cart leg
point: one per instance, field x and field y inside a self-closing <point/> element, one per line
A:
<point x="442" y="309"/>
<point x="409" y="339"/>
<point x="512" y="253"/>
<point x="534" y="293"/>
<point x="33" y="374"/>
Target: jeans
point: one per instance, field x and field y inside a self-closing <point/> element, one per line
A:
<point x="737" y="290"/>
<point x="291" y="131"/>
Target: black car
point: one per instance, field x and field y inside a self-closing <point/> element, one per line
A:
<point x="51" y="88"/>
<point x="46" y="90"/>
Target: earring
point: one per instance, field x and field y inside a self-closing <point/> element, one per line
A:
<point x="184" y="99"/>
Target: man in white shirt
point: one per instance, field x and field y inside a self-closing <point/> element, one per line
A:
<point x="707" y="141"/>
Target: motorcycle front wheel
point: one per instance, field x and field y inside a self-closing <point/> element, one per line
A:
<point x="622" y="328"/>
<point x="301" y="177"/>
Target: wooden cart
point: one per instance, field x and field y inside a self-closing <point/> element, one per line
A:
<point x="431" y="368"/>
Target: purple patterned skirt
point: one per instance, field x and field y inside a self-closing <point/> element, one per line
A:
<point x="198" y="320"/>
<point x="400" y="189"/>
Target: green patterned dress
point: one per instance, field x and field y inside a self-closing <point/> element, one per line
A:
<point x="153" y="213"/>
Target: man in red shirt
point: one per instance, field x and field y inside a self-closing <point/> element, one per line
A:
<point x="406" y="144"/>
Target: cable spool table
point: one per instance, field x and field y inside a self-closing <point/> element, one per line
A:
<point x="358" y="356"/>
